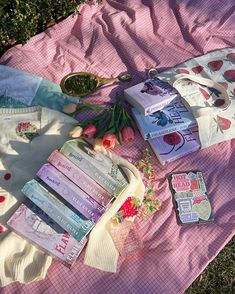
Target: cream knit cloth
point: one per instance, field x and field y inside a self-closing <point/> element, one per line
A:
<point x="20" y="159"/>
<point x="101" y="252"/>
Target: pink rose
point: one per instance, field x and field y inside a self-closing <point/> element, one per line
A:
<point x="127" y="134"/>
<point x="89" y="131"/>
<point x="109" y="141"/>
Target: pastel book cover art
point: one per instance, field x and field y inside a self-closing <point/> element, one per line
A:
<point x="71" y="221"/>
<point x="80" y="200"/>
<point x="173" y="117"/>
<point x="190" y="197"/>
<point x="78" y="177"/>
<point x="32" y="223"/>
<point x="175" y="145"/>
<point x="150" y="96"/>
<point x="96" y="165"/>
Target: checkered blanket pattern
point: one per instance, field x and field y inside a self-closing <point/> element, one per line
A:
<point x="120" y="36"/>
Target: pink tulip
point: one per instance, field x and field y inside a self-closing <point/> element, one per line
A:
<point x="109" y="141"/>
<point x="127" y="134"/>
<point x="89" y="131"/>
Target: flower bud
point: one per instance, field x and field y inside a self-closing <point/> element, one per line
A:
<point x="89" y="131"/>
<point x="76" y="132"/>
<point x="127" y="134"/>
<point x="109" y="141"/>
<point x="98" y="146"/>
<point x="69" y="108"/>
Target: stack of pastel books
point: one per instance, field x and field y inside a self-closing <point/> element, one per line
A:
<point x="66" y="198"/>
<point x="163" y="119"/>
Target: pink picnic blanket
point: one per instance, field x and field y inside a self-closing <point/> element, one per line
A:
<point x="127" y="35"/>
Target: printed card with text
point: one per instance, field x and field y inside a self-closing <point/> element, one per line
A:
<point x="190" y="197"/>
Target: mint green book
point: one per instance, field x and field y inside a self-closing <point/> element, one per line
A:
<point x="96" y="165"/>
<point x="73" y="223"/>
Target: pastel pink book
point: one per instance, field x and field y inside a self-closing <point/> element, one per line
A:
<point x="80" y="200"/>
<point x="32" y="223"/>
<point x="77" y="176"/>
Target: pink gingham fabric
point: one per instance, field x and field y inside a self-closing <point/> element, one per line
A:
<point x="133" y="36"/>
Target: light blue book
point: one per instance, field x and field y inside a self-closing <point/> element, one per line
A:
<point x="74" y="223"/>
<point x="173" y="117"/>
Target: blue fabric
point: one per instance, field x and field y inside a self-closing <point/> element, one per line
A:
<point x="21" y="89"/>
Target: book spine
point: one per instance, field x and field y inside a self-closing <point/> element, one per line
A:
<point x="70" y="192"/>
<point x="60" y="244"/>
<point x="77" y="176"/>
<point x="172" y="129"/>
<point x="158" y="106"/>
<point x="136" y="104"/>
<point x="56" y="210"/>
<point x="91" y="170"/>
<point x="161" y="161"/>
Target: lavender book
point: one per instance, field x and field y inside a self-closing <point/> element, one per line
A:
<point x="175" y="145"/>
<point x="150" y="96"/>
<point x="80" y="200"/>
<point x="32" y="223"/>
<point x="173" y="117"/>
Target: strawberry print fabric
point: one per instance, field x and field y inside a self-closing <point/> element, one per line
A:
<point x="218" y="124"/>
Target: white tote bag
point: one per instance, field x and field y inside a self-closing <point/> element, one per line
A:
<point x="207" y="84"/>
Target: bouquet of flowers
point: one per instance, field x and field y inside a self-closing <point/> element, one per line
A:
<point x="111" y="126"/>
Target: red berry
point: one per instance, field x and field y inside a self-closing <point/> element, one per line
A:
<point x="215" y="65"/>
<point x="182" y="71"/>
<point x="7" y="176"/>
<point x="219" y="102"/>
<point x="197" y="69"/>
<point x="2" y="199"/>
<point x="129" y="207"/>
<point x="229" y="76"/>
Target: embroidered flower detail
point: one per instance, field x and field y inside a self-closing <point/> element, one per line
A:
<point x="27" y="130"/>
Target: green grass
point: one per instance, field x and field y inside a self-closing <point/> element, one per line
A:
<point x="219" y="276"/>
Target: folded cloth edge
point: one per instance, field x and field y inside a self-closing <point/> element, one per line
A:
<point x="101" y="252"/>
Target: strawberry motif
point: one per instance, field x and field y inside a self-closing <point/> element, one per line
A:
<point x="215" y="65"/>
<point x="205" y="94"/>
<point x="222" y="123"/>
<point x="197" y="69"/>
<point x="130" y="207"/>
<point x="182" y="71"/>
<point x="219" y="102"/>
<point x="230" y="57"/>
<point x="229" y="75"/>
